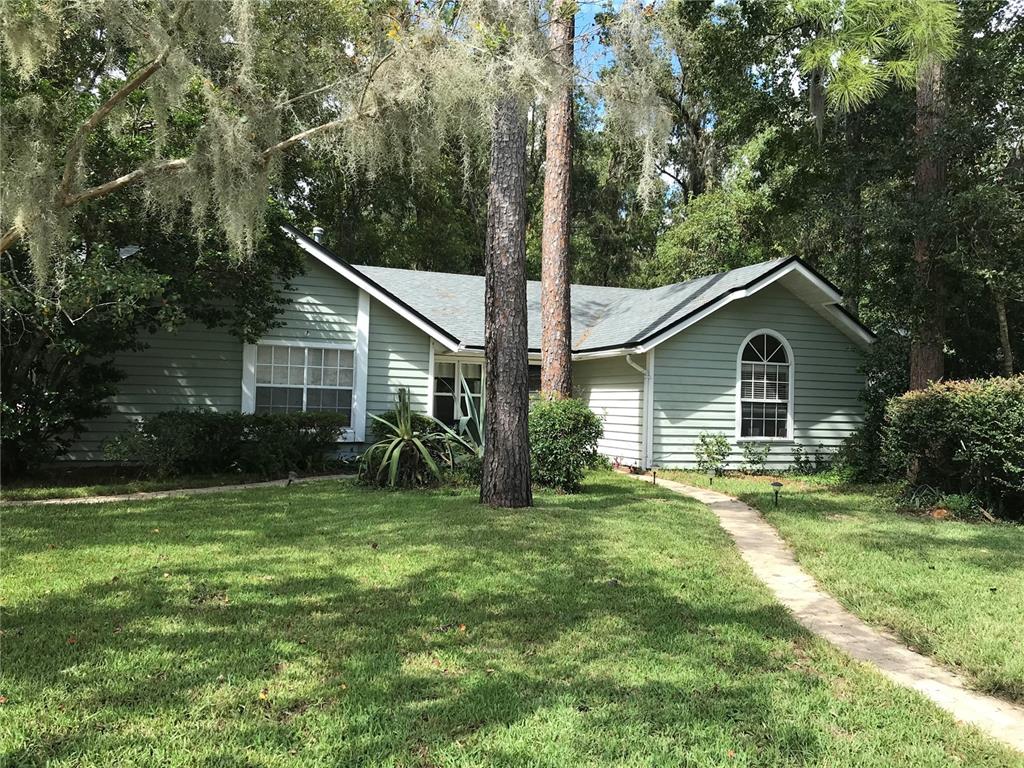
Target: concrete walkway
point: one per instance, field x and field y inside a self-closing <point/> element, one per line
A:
<point x="173" y="492"/>
<point x="772" y="562"/>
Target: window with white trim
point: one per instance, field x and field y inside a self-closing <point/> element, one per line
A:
<point x="764" y="387"/>
<point x="454" y="393"/>
<point x="300" y="378"/>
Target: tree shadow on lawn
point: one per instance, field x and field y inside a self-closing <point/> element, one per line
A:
<point x="389" y="633"/>
<point x="997" y="548"/>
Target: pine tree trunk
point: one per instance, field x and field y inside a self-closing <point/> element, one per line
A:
<point x="853" y="269"/>
<point x="555" y="301"/>
<point x="506" y="470"/>
<point x="927" y="360"/>
<point x="1004" y="333"/>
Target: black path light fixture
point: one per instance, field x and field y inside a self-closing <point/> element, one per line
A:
<point x="711" y="477"/>
<point x="776" y="487"/>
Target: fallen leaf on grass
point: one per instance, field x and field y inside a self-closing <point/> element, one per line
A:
<point x="3" y="699"/>
<point x="72" y="640"/>
<point x="264" y="695"/>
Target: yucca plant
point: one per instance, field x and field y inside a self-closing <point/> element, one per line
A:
<point x="407" y="456"/>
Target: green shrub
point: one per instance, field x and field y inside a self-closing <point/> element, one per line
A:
<point x="807" y="463"/>
<point x="712" y="452"/>
<point x="962" y="506"/>
<point x="198" y="442"/>
<point x="755" y="457"/>
<point x="563" y="442"/>
<point x="962" y="437"/>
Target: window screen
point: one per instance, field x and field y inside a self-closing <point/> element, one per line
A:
<point x="764" y="388"/>
<point x="292" y="379"/>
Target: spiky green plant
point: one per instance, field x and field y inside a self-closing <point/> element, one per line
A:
<point x="407" y="457"/>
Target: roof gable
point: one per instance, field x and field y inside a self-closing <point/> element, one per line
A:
<point x="605" y="320"/>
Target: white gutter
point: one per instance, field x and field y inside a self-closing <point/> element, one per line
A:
<point x="617" y="352"/>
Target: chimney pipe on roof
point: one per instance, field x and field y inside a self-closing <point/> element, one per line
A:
<point x="318" y="234"/>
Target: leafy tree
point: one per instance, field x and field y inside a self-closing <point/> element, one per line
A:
<point x="59" y="340"/>
<point x="857" y="49"/>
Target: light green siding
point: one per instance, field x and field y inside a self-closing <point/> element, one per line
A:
<point x="196" y="367"/>
<point x="193" y="368"/>
<point x="399" y="356"/>
<point x="695" y="379"/>
<point x="323" y="305"/>
<point x="614" y="390"/>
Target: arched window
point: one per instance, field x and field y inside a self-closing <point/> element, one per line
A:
<point x="765" y="408"/>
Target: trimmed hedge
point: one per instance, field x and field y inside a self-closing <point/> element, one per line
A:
<point x="563" y="442"/>
<point x="962" y="436"/>
<point x="175" y="443"/>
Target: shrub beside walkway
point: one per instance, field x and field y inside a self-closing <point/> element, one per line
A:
<point x="773" y="563"/>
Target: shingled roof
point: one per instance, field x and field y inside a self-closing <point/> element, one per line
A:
<point x="603" y="318"/>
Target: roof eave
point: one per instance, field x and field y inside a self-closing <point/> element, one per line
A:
<point x="334" y="262"/>
<point x="849" y="325"/>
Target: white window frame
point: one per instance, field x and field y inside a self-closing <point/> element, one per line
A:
<point x="460" y="360"/>
<point x="739" y="389"/>
<point x="480" y="360"/>
<point x="356" y="433"/>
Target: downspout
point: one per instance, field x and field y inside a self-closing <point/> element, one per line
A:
<point x="644" y="425"/>
<point x="640" y="368"/>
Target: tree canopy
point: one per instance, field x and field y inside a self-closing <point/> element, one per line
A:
<point x="708" y="135"/>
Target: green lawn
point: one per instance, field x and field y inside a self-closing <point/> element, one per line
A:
<point x="953" y="590"/>
<point x="329" y="625"/>
<point x="77" y="483"/>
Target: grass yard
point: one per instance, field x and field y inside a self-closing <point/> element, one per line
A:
<point x="325" y="624"/>
<point x="950" y="589"/>
<point x="81" y="482"/>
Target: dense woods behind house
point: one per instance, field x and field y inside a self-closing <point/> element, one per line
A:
<point x="881" y="142"/>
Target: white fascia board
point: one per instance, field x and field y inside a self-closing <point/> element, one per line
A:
<point x="362" y="283"/>
<point x="831" y="297"/>
<point x="848" y="325"/>
<point x="474" y="352"/>
<point x="598" y="354"/>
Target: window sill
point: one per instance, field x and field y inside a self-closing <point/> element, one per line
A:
<point x="781" y="440"/>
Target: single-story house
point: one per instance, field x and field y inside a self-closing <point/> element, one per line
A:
<point x="763" y="353"/>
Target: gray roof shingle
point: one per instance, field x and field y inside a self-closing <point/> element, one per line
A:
<point x="602" y="317"/>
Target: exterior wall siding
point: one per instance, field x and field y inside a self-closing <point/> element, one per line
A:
<point x="197" y="367"/>
<point x="614" y="390"/>
<point x="322" y="305"/>
<point x="399" y="356"/>
<point x="695" y="380"/>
